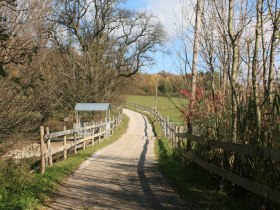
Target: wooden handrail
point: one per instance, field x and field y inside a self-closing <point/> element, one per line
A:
<point x="249" y="185"/>
<point x="261" y="152"/>
<point x="47" y="155"/>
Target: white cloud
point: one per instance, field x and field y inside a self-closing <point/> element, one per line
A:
<point x="173" y="14"/>
<point x="170" y="12"/>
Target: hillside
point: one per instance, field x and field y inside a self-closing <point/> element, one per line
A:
<point x="166" y="106"/>
<point x="145" y="84"/>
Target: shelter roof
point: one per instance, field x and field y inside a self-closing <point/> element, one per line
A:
<point x="88" y="107"/>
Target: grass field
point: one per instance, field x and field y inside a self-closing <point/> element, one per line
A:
<point x="165" y="105"/>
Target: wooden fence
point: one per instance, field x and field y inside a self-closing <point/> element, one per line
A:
<point x="175" y="135"/>
<point x="58" y="145"/>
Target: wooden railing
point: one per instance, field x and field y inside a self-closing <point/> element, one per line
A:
<point x="176" y="135"/>
<point x="58" y="145"/>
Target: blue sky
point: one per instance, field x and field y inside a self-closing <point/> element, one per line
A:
<point x="166" y="10"/>
<point x="169" y="12"/>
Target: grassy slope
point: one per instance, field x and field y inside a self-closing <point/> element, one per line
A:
<point x="165" y="106"/>
<point x="40" y="188"/>
<point x="192" y="181"/>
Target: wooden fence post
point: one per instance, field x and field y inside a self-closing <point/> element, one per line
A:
<point x="99" y="136"/>
<point x="164" y="128"/>
<point x="99" y="131"/>
<point x="118" y="120"/>
<point x="156" y="116"/>
<point x="166" y="125"/>
<point x="180" y="138"/>
<point x="84" y="143"/>
<point x="49" y="148"/>
<point x="109" y="132"/>
<point x="105" y="129"/>
<point x="92" y="133"/>
<point x="172" y="134"/>
<point x="114" y="123"/>
<point x="75" y="140"/>
<point x="76" y="128"/>
<point x="64" y="145"/>
<point x="112" y="126"/>
<point x="42" y="168"/>
<point x="177" y="129"/>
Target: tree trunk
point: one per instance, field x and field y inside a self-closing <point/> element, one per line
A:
<point x="254" y="74"/>
<point x="275" y="19"/>
<point x="233" y="76"/>
<point x="194" y="64"/>
<point x="249" y="68"/>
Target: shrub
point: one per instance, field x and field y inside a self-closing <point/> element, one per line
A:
<point x="14" y="178"/>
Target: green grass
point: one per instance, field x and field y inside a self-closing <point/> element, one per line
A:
<point x="39" y="188"/>
<point x="165" y="105"/>
<point x="192" y="181"/>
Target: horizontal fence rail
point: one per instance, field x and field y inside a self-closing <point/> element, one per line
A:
<point x="175" y="133"/>
<point x="261" y="152"/>
<point x="57" y="145"/>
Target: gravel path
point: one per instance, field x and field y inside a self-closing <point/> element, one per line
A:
<point x="123" y="175"/>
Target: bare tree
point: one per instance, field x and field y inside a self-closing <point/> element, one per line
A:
<point x="274" y="16"/>
<point x="255" y="67"/>
<point x="194" y="63"/>
<point x="22" y="32"/>
<point x="133" y="36"/>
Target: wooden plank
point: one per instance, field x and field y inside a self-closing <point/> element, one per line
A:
<point x="89" y="137"/>
<point x="58" y="134"/>
<point x="56" y="150"/>
<point x="78" y="142"/>
<point x="92" y="139"/>
<point x="261" y="152"/>
<point x="243" y="182"/>
<point x="101" y="124"/>
<point x="42" y="151"/>
<point x="75" y="141"/>
<point x="64" y="144"/>
<point x="191" y="137"/>
<point x="254" y="187"/>
<point x="69" y="146"/>
<point x="71" y="131"/>
<point x="88" y="127"/>
<point x="50" y="161"/>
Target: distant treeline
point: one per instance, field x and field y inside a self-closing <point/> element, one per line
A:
<point x="169" y="84"/>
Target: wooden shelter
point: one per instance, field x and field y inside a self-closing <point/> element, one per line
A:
<point x="91" y="107"/>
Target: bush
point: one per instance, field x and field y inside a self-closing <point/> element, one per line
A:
<point x="14" y="178"/>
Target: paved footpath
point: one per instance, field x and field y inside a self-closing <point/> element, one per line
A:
<point x="123" y="175"/>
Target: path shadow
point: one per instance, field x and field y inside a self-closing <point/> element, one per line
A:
<point x="148" y="192"/>
<point x="131" y="183"/>
<point x="152" y="124"/>
<point x="146" y="126"/>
